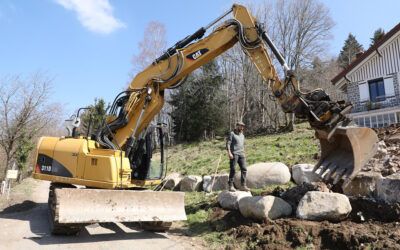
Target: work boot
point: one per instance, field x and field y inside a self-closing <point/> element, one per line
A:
<point x="232" y="188"/>
<point x="244" y="188"/>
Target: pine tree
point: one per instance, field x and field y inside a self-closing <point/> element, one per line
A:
<point x="98" y="110"/>
<point x="348" y="53"/>
<point x="378" y="34"/>
<point x="198" y="105"/>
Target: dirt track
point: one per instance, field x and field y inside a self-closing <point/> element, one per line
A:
<point x="29" y="229"/>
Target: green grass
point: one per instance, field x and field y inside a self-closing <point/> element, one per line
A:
<point x="201" y="158"/>
<point x="198" y="207"/>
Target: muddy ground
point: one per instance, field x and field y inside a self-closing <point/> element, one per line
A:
<point x="371" y="225"/>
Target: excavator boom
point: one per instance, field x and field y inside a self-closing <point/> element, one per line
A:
<point x="120" y="155"/>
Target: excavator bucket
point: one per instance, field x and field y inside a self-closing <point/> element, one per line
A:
<point x="99" y="205"/>
<point x="344" y="152"/>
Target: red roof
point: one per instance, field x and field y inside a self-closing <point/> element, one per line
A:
<point x="366" y="53"/>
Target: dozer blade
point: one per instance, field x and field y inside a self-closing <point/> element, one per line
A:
<point x="99" y="205"/>
<point x="344" y="152"/>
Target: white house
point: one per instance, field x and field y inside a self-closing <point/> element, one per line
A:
<point x="372" y="82"/>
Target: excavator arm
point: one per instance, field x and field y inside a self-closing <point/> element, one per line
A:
<point x="146" y="91"/>
<point x="145" y="96"/>
<point x="119" y="157"/>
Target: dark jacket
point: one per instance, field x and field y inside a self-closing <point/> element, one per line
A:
<point x="235" y="142"/>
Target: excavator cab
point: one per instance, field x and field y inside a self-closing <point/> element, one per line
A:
<point x="145" y="165"/>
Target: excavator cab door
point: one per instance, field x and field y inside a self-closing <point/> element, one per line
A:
<point x="143" y="165"/>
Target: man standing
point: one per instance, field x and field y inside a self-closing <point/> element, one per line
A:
<point x="235" y="147"/>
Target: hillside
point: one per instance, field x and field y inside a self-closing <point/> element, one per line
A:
<point x="202" y="158"/>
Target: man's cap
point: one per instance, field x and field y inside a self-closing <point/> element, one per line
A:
<point x="240" y="124"/>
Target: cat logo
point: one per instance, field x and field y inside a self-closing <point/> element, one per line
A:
<point x="197" y="54"/>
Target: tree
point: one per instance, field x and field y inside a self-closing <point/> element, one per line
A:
<point x="319" y="76"/>
<point x="98" y="110"/>
<point x="152" y="46"/>
<point x="300" y="30"/>
<point x="25" y="145"/>
<point x="349" y="50"/>
<point x="378" y="34"/>
<point x="24" y="113"/>
<point x="154" y="43"/>
<point x="199" y="106"/>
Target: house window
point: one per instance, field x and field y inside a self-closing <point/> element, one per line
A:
<point x="361" y="122"/>
<point x="377" y="90"/>
<point x="373" y="121"/>
<point x="379" y="120"/>
<point x="386" y="120"/>
<point x="367" y="122"/>
<point x="392" y="118"/>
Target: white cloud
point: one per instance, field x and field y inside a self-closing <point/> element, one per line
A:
<point x="96" y="15"/>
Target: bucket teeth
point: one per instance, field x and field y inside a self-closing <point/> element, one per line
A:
<point x="323" y="169"/>
<point x="347" y="179"/>
<point x="338" y="176"/>
<point x="346" y="153"/>
<point x="331" y="171"/>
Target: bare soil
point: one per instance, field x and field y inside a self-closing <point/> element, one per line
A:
<point x="371" y="225"/>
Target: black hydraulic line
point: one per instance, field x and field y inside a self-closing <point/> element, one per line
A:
<point x="185" y="41"/>
<point x="182" y="43"/>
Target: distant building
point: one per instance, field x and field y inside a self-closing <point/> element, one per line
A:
<point x="372" y="81"/>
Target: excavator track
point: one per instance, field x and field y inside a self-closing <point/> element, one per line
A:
<point x="53" y="208"/>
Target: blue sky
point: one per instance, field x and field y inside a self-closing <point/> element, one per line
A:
<point x="87" y="45"/>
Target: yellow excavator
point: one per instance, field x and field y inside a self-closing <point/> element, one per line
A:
<point x="98" y="178"/>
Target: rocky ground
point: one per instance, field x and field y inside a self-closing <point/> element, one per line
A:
<point x="387" y="161"/>
<point x="374" y="223"/>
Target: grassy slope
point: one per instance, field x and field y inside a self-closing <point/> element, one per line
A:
<point x="202" y="158"/>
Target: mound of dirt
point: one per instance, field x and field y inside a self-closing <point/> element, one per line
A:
<point x="371" y="224"/>
<point x="293" y="233"/>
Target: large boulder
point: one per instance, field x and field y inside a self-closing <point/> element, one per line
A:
<point x="363" y="184"/>
<point x="230" y="200"/>
<point x="294" y="194"/>
<point x="172" y="180"/>
<point x="320" y="206"/>
<point x="388" y="188"/>
<point x="303" y="173"/>
<point x="263" y="207"/>
<point x="261" y="175"/>
<point x="190" y="183"/>
<point x="215" y="182"/>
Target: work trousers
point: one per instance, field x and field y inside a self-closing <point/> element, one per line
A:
<point x="242" y="164"/>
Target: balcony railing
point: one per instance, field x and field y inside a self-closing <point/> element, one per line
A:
<point x="369" y="105"/>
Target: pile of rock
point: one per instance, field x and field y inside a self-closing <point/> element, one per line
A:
<point x="308" y="201"/>
<point x="259" y="175"/>
<point x="387" y="159"/>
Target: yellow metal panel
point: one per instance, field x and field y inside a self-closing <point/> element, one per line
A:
<point x="66" y="152"/>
